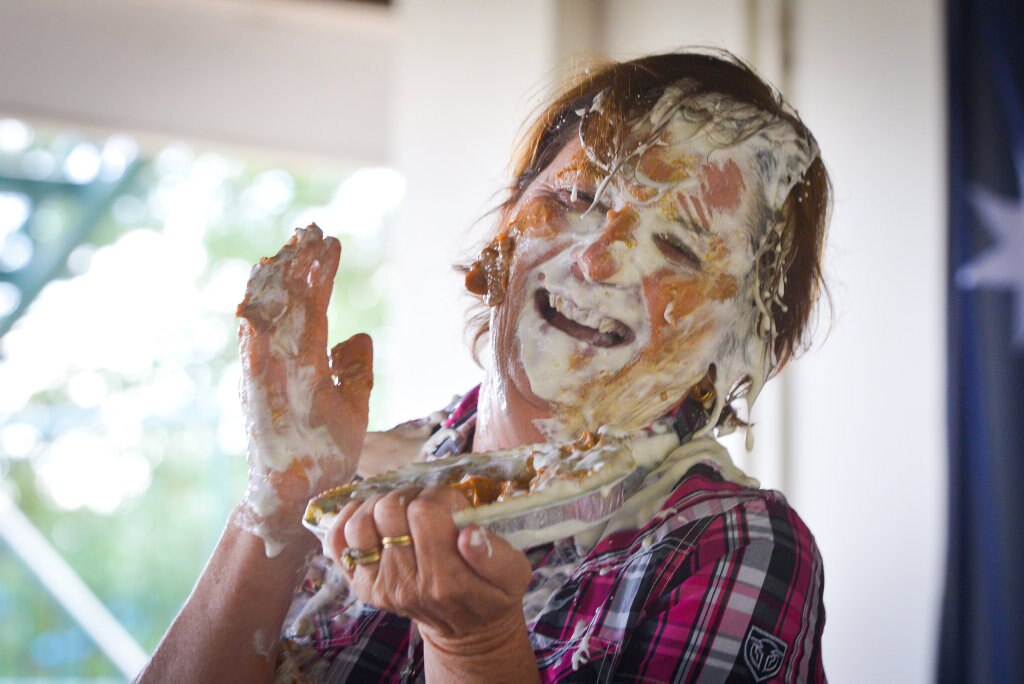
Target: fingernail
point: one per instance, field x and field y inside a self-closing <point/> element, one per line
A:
<point x="478" y="537"/>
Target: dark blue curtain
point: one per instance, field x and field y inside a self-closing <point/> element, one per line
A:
<point x="982" y="632"/>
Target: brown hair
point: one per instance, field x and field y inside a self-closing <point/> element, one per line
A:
<point x="633" y="87"/>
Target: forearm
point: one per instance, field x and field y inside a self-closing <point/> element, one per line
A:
<point x="501" y="655"/>
<point x="228" y="629"/>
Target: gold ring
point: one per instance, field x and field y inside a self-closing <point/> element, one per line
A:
<point x="353" y="557"/>
<point x="400" y="540"/>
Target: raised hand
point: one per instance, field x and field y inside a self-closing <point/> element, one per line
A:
<point x="306" y="411"/>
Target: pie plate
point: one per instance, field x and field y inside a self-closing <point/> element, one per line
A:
<point x="576" y="490"/>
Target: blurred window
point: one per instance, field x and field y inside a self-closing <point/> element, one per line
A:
<point x="121" y="437"/>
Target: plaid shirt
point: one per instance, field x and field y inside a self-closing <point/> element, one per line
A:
<point x="723" y="583"/>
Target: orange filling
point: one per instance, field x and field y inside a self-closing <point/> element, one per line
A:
<point x="481" y="489"/>
<point x="488" y="275"/>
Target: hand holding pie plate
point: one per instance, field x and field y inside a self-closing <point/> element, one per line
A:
<point x="529" y="495"/>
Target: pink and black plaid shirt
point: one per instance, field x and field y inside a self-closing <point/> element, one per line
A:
<point x="723" y="584"/>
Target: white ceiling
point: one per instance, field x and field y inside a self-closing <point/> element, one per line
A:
<point x="297" y="77"/>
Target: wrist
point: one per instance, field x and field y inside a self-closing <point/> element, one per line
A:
<point x="483" y="641"/>
<point x="281" y="532"/>
<point x="499" y="652"/>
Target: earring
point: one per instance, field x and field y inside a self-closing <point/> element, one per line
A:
<point x="695" y="410"/>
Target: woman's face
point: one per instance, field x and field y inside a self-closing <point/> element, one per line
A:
<point x="613" y="314"/>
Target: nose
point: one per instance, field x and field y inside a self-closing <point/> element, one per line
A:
<point x="601" y="260"/>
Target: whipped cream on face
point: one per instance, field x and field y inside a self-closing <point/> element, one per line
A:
<point x="572" y="332"/>
<point x="587" y="343"/>
<point x="617" y="340"/>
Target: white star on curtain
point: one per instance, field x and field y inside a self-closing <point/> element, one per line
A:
<point x="1001" y="266"/>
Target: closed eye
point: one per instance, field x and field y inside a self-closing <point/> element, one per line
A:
<point x="676" y="251"/>
<point x="576" y="199"/>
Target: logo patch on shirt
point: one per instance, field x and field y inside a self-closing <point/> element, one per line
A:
<point x="763" y="653"/>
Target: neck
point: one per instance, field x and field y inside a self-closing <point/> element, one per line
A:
<point x="505" y="418"/>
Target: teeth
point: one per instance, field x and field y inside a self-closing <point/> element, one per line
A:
<point x="589" y="317"/>
<point x="558" y="303"/>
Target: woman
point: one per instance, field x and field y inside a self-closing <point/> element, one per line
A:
<point x="656" y="260"/>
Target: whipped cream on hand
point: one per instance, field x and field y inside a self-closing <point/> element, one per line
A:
<point x="306" y="411"/>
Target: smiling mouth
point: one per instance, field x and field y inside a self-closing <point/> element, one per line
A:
<point x="587" y="326"/>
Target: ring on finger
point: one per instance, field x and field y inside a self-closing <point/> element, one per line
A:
<point x="351" y="557"/>
<point x="400" y="540"/>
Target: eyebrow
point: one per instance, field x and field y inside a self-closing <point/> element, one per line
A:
<point x="579" y="169"/>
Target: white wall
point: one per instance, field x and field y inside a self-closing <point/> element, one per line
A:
<point x="302" y="79"/>
<point x="870" y="457"/>
<point x="640" y="27"/>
